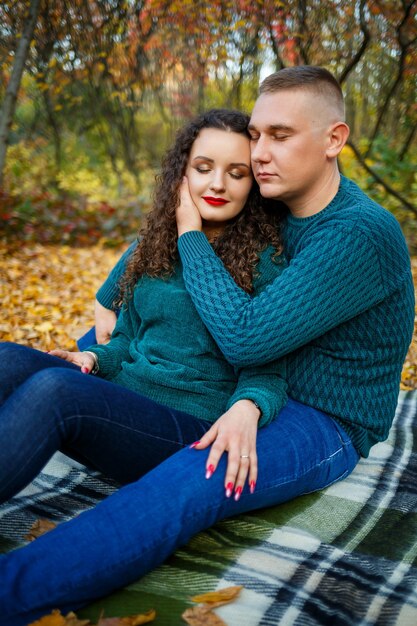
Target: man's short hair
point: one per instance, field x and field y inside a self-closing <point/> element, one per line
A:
<point x="311" y="78"/>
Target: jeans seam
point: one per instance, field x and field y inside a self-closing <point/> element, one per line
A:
<point x="286" y="481"/>
<point x="124" y="427"/>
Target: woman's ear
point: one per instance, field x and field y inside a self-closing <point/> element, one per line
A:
<point x="338" y="136"/>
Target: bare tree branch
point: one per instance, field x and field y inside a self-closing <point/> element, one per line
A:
<point x="302" y="28"/>
<point x="381" y="181"/>
<point x="365" y="42"/>
<point x="404" y="48"/>
<point x="409" y="140"/>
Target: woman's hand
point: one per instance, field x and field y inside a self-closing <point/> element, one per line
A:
<point x="234" y="432"/>
<point x="105" y="321"/>
<point x="84" y="360"/>
<point x="188" y="216"/>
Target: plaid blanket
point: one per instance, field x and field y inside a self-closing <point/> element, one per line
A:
<point x="344" y="556"/>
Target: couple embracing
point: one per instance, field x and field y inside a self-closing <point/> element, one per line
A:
<point x="264" y="319"/>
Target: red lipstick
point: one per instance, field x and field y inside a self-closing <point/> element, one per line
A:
<point x="215" y="201"/>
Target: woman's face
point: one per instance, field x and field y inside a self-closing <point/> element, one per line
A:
<point x="219" y="175"/>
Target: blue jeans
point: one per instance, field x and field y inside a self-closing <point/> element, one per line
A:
<point x="47" y="404"/>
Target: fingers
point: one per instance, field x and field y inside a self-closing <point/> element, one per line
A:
<point x="187" y="214"/>
<point x="241" y="467"/>
<point x="62" y="354"/>
<point x="84" y="360"/>
<point x="242" y="462"/>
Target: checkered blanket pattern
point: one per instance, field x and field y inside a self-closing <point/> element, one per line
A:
<point x="345" y="556"/>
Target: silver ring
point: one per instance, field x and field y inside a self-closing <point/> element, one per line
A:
<point x="244" y="456"/>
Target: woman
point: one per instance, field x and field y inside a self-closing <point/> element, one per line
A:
<point x="164" y="405"/>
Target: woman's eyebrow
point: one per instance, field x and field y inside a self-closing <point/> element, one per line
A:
<point x="203" y="157"/>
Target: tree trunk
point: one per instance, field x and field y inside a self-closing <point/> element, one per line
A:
<point x="9" y="103"/>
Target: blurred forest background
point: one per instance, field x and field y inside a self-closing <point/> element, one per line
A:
<point x="92" y="92"/>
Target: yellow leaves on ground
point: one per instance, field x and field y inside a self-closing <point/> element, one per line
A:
<point x="200" y="616"/>
<point x="39" y="528"/>
<point x="47" y="292"/>
<point x="222" y="596"/>
<point x="57" y="619"/>
<point x="203" y="615"/>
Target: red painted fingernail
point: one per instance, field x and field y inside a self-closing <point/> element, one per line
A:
<point x="229" y="489"/>
<point x="193" y="445"/>
<point x="209" y="472"/>
<point x="238" y="491"/>
<point x="252" y="486"/>
<point x="84" y="370"/>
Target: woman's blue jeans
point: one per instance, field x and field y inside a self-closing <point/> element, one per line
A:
<point x="46" y="405"/>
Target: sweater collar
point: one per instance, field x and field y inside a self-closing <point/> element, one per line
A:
<point x="301" y="221"/>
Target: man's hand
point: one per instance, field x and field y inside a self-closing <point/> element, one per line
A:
<point x="105" y="321"/>
<point x="84" y="360"/>
<point x="234" y="432"/>
<point x="188" y="216"/>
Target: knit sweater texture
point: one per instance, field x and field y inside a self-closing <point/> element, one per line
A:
<point x="161" y="349"/>
<point x="342" y="311"/>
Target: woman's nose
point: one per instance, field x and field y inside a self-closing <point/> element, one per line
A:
<point x="217" y="183"/>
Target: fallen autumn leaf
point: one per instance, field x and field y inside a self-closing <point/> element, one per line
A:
<point x="202" y="616"/>
<point x="222" y="595"/>
<point x="39" y="528"/>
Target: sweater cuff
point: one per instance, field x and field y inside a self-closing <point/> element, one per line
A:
<point x="263" y="401"/>
<point x="105" y="361"/>
<point x="193" y="245"/>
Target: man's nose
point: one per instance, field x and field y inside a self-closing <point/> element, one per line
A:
<point x="260" y="150"/>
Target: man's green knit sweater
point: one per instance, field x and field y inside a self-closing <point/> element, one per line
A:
<point x="342" y="311"/>
<point x="161" y="349"/>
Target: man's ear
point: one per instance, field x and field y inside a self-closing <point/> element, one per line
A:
<point x="337" y="137"/>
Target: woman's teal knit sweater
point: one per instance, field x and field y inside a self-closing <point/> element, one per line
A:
<point x="160" y="348"/>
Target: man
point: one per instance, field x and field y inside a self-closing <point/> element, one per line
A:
<point x="343" y="310"/>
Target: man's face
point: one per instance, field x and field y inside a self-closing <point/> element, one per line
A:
<point x="289" y="138"/>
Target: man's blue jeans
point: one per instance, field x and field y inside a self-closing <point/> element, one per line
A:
<point x="47" y="404"/>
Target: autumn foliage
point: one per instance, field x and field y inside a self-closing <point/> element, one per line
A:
<point x="107" y="83"/>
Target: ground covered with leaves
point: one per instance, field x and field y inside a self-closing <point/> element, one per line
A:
<point x="47" y="294"/>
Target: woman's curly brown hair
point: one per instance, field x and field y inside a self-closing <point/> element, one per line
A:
<point x="256" y="227"/>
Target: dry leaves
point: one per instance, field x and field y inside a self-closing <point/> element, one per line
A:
<point x="57" y="619"/>
<point x="47" y="292"/>
<point x="199" y="616"/>
<point x="39" y="528"/>
<point x="203" y="615"/>
<point x="133" y="620"/>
